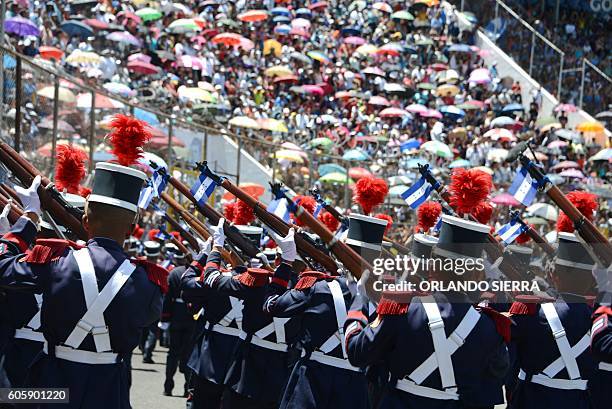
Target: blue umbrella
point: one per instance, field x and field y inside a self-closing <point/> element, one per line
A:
<point x="502" y="121"/>
<point x="76" y="28"/>
<point x="330" y="168"/>
<point x="21" y="26"/>
<point x="410" y="144"/>
<point x="460" y="48"/>
<point x="282" y="29"/>
<point x="355" y="154"/>
<point x="452" y="110"/>
<point x="415" y="162"/>
<point x="303" y="12"/>
<point x="460" y="163"/>
<point x="281" y="19"/>
<point x="351" y="31"/>
<point x="146" y="116"/>
<point x="512" y="108"/>
<point x="9" y="62"/>
<point x="280" y="11"/>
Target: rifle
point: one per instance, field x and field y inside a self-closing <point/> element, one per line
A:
<point x="272" y="221"/>
<point x="338" y="216"/>
<point x="9" y="192"/>
<point x="15" y="213"/>
<point x="198" y="227"/>
<point x="50" y="199"/>
<point x="600" y="247"/>
<point x="349" y="257"/>
<point x="494" y="249"/>
<point x="190" y="238"/>
<point x="534" y="235"/>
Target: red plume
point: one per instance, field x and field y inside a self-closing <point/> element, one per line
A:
<point x="153" y="233"/>
<point x="243" y="214"/>
<point x="138" y="232"/>
<point x="427" y="216"/>
<point x="469" y="188"/>
<point x="585" y="202"/>
<point x="523" y="237"/>
<point x="329" y="220"/>
<point x="229" y="211"/>
<point x="482" y="212"/>
<point x="308" y="203"/>
<point x="70" y="168"/>
<point x="370" y="192"/>
<point x="84" y="191"/>
<point x="127" y="137"/>
<point x="386" y="217"/>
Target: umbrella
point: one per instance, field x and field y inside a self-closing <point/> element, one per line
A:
<point x="303" y="12"/>
<point x="63" y="126"/>
<point x="366" y="49"/>
<point x="272" y="46"/>
<point x="393" y="112"/>
<point x="96" y="24"/>
<point x="499" y="133"/>
<point x="252" y="16"/>
<point x="452" y="110"/>
<point x="566" y="164"/>
<point x="416" y="108"/>
<point x="64" y="94"/>
<point x="335" y="177"/>
<point x="450" y="76"/>
<point x="566" y="108"/>
<point x="330" y="168"/>
<point x="502" y="121"/>
<point x="604" y="154"/>
<point x="536" y="220"/>
<point x="572" y="173"/>
<point x="497" y="155"/>
<point x="77" y="29"/>
<point x="244" y="122"/>
<point x="146" y="116"/>
<point x="358" y="173"/>
<point x="557" y="144"/>
<point x="460" y="163"/>
<point x="447" y="90"/>
<point x="512" y="108"/>
<point x="50" y="53"/>
<point x="354" y="40"/>
<point x="382" y="6"/>
<point x="355" y="154"/>
<point x="318" y="5"/>
<point x="124" y="37"/>
<point x="149" y="14"/>
<point x="128" y="15"/>
<point x="83" y="57"/>
<point x="379" y="101"/>
<point x="286" y="78"/>
<point x="415" y="162"/>
<point x="324" y="143"/>
<point x="437" y="148"/>
<point x="318" y="56"/>
<point x="283" y="29"/>
<point x="459" y="48"/>
<point x="505" y="199"/>
<point x="402" y="15"/>
<point x="410" y="144"/>
<point x="590" y="126"/>
<point x="480" y="76"/>
<point x="272" y="125"/>
<point x="374" y="71"/>
<point x="398" y="190"/>
<point x="252" y="189"/>
<point x="119" y="88"/>
<point x="301" y="23"/>
<point x="604" y="115"/>
<point x="195" y="94"/>
<point x="472" y="104"/>
<point x="142" y="67"/>
<point x="432" y="113"/>
<point x="184" y="25"/>
<point x="277" y="11"/>
<point x="21" y="26"/>
<point x="278" y="71"/>
<point x="538" y="155"/>
<point x="425" y="85"/>
<point x="102" y="101"/>
<point x="228" y="39"/>
<point x="399" y="180"/>
<point x="289" y="155"/>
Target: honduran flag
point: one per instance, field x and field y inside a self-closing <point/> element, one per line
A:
<point x="524" y="187"/>
<point x="418" y="193"/>
<point x="203" y="188"/>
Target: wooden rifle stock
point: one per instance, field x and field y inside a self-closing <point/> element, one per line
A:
<point x="26" y="173"/>
<point x="181" y="248"/>
<point x="15" y="213"/>
<point x="9" y="192"/>
<point x="189" y="238"/>
<point x="587" y="231"/>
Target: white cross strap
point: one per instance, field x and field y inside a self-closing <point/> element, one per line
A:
<point x="277" y="326"/>
<point x="340" y="310"/>
<point x="558" y="365"/>
<point x="92" y="321"/>
<point x="567" y="355"/>
<point x="234" y="314"/>
<point x="34" y="323"/>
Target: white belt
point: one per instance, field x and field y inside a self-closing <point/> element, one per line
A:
<point x="83" y="357"/>
<point x="179" y="300"/>
<point x="255" y="340"/>
<point x="29" y="333"/>
<point x="567" y="384"/>
<point x="409" y="386"/>
<point x="332" y="361"/>
<point x="220" y="329"/>
<point x="605" y="366"/>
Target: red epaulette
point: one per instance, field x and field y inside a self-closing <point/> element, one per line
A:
<point x="309" y="278"/>
<point x="254" y="277"/>
<point x="525" y="305"/>
<point x="604" y="309"/>
<point x="47" y="250"/>
<point x="502" y="323"/>
<point x="394" y="302"/>
<point x="156" y="273"/>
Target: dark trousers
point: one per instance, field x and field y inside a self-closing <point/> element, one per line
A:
<point x="150" y="340"/>
<point x="233" y="400"/>
<point x="206" y="395"/>
<point x="180" y="347"/>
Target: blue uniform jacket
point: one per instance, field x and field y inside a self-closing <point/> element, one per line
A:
<point x="601" y="347"/>
<point x="53" y="272"/>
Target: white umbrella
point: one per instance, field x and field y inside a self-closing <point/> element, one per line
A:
<point x="543" y="210"/>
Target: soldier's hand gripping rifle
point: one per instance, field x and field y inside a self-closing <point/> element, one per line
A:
<point x="342" y="219"/>
<point x="50" y="198"/>
<point x="600" y="247"/>
<point x="534" y="235"/>
<point x="494" y="248"/>
<point x="272" y="221"/>
<point x="198" y="227"/>
<point x="15" y="211"/>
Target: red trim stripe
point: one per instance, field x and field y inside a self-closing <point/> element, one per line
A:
<point x="280" y="281"/>
<point x="197" y="265"/>
<point x="18" y="241"/>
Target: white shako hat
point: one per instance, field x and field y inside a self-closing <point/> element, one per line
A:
<point x="152" y="248"/>
<point x="460" y="238"/>
<point x="117" y="185"/>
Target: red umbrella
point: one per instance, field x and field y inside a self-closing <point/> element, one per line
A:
<point x="48" y="53"/>
<point x="566" y="108"/>
<point x="128" y="15"/>
<point x="299" y="32"/>
<point x="142" y="67"/>
<point x="358" y="173"/>
<point x="286" y="78"/>
<point x="96" y="24"/>
<point x="319" y="5"/>
<point x="313" y="89"/>
<point x="378" y="100"/>
<point x="505" y="199"/>
<point x="353" y="40"/>
<point x="229" y="39"/>
<point x="253" y="16"/>
<point x="209" y="33"/>
<point x="439" y="67"/>
<point x="392" y="113"/>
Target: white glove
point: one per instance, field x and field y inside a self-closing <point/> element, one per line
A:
<point x="219" y="234"/>
<point x="29" y="197"/>
<point x="5" y="225"/>
<point x="205" y="247"/>
<point x="603" y="276"/>
<point x="163" y="325"/>
<point x="287" y="245"/>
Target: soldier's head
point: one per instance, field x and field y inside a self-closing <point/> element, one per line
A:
<point x="104" y="220"/>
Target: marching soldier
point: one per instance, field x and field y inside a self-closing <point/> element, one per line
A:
<point x="601" y="342"/>
<point x="152" y="252"/>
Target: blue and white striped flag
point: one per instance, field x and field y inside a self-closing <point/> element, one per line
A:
<point x="317" y="210"/>
<point x="166" y="263"/>
<point x="203" y="188"/>
<point x="146" y="195"/>
<point x="524" y="187"/>
<point x="159" y="181"/>
<point x="279" y="208"/>
<point x="510" y="231"/>
<point x="163" y="235"/>
<point x="417" y="194"/>
<point x="438" y="225"/>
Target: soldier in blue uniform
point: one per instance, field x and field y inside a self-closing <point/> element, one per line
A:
<point x="152" y="252"/>
<point x="454" y="348"/>
<point x="601" y="341"/>
<point x="96" y="300"/>
<point x="259" y="354"/>
<point x="177" y="318"/>
<point x="552" y="338"/>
